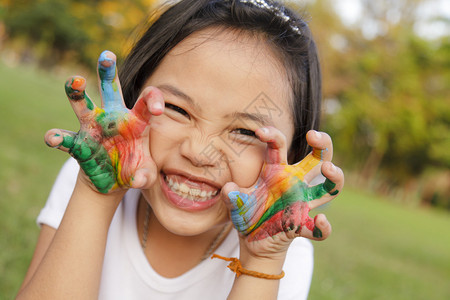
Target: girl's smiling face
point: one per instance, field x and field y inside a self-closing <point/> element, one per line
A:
<point x="219" y="86"/>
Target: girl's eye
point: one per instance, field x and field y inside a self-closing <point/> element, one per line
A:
<point x="177" y="109"/>
<point x="244" y="131"/>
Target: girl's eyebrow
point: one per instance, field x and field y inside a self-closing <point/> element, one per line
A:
<point x="258" y="118"/>
<point x="178" y="93"/>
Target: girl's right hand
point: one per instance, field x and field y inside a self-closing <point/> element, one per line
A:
<point x="270" y="214"/>
<point x="112" y="145"/>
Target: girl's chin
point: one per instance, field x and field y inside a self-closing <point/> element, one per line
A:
<point x="186" y="223"/>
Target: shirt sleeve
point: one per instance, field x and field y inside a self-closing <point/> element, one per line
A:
<point x="298" y="269"/>
<point x="60" y="194"/>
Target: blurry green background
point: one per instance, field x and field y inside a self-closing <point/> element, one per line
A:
<point x="386" y="71"/>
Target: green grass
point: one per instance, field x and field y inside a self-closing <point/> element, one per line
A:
<point x="378" y="250"/>
<point x="31" y="102"/>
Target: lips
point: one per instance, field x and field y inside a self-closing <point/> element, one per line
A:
<point x="189" y="192"/>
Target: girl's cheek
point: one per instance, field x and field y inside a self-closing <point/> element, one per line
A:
<point x="246" y="167"/>
<point x="166" y="129"/>
<point x="161" y="124"/>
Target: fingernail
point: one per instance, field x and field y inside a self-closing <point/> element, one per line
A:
<point x="265" y="130"/>
<point x="317" y="134"/>
<point x="51" y="138"/>
<point x="157" y="106"/>
<point x="333" y="168"/>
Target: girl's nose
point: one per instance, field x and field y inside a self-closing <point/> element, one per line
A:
<point x="202" y="152"/>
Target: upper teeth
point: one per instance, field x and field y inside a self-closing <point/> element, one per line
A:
<point x="185" y="191"/>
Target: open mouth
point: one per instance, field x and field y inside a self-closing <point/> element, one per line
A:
<point x="189" y="193"/>
<point x="184" y="190"/>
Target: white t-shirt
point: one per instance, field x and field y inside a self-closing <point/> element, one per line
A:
<point x="127" y="273"/>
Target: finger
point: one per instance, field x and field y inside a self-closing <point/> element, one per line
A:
<point x="321" y="144"/>
<point x="150" y="102"/>
<point x="306" y="168"/>
<point x="81" y="103"/>
<point x="61" y="139"/>
<point x="333" y="184"/>
<point x="143" y="178"/>
<point x="242" y="207"/>
<point x="145" y="175"/>
<point x="318" y="229"/>
<point x="276" y="144"/>
<point x="322" y="151"/>
<point x="110" y="89"/>
<point x="227" y="189"/>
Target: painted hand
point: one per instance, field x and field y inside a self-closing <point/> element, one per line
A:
<point x="281" y="199"/>
<point x="112" y="143"/>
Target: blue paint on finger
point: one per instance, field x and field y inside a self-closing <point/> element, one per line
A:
<point x="242" y="211"/>
<point x="112" y="98"/>
<point x="106" y="67"/>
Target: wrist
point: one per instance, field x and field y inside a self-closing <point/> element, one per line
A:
<point x="84" y="189"/>
<point x="265" y="263"/>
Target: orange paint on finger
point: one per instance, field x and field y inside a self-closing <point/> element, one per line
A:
<point x="78" y="82"/>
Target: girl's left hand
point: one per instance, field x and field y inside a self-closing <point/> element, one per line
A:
<point x="111" y="146"/>
<point x="270" y="214"/>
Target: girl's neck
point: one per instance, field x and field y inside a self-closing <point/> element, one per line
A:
<point x="172" y="255"/>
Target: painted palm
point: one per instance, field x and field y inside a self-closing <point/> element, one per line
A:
<point x="112" y="143"/>
<point x="279" y="200"/>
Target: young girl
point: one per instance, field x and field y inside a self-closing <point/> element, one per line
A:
<point x="223" y="95"/>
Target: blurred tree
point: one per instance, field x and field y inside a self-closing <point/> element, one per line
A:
<point x="386" y="90"/>
<point x="51" y="34"/>
<point x="55" y="30"/>
<point x="397" y="109"/>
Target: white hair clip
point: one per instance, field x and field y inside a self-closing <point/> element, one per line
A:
<point x="276" y="10"/>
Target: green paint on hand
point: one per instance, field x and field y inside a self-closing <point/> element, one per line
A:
<point x="298" y="192"/>
<point x="318" y="191"/>
<point x="89" y="103"/>
<point x="94" y="161"/>
<point x="317" y="233"/>
<point x="329" y="185"/>
<point x="68" y="141"/>
<point x="108" y="121"/>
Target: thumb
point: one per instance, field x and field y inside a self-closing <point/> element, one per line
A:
<point x="241" y="205"/>
<point x="228" y="189"/>
<point x="143" y="179"/>
<point x="145" y="175"/>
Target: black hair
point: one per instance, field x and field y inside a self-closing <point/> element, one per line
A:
<point x="282" y="28"/>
